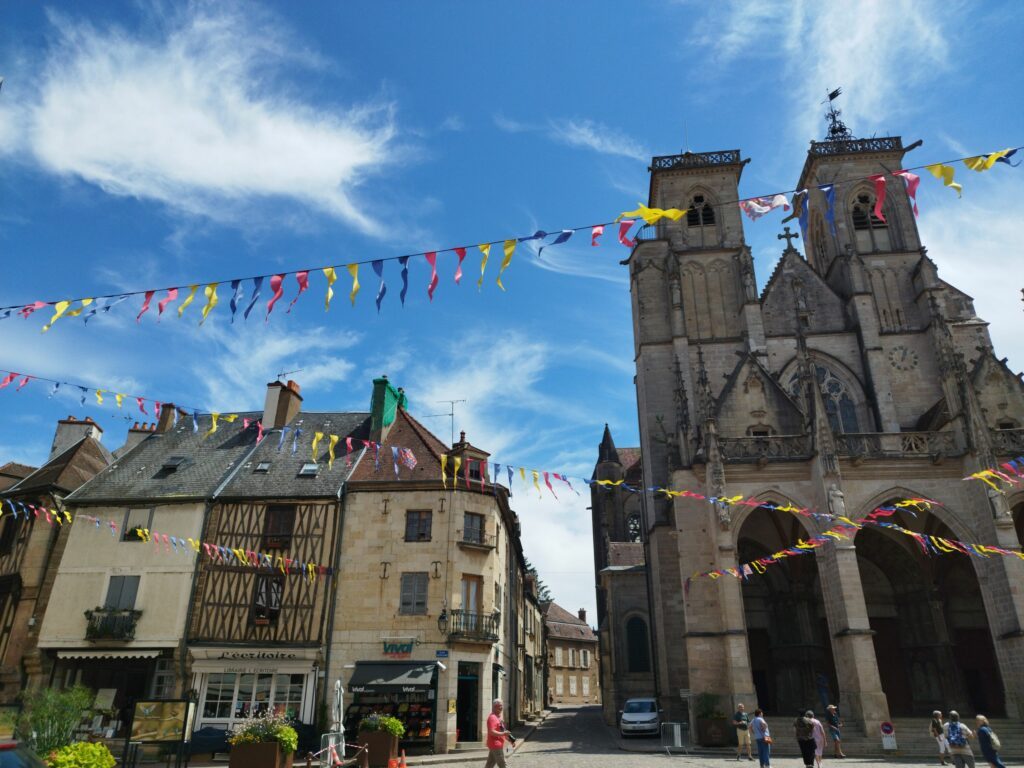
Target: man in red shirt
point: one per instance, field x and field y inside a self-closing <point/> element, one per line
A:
<point x="496" y="735"/>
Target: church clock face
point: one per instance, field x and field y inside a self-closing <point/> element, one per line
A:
<point x="903" y="359"/>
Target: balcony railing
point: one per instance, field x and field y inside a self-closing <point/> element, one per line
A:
<point x="897" y="444"/>
<point x="761" y="449"/>
<point x="108" y="624"/>
<point x="695" y="160"/>
<point x="473" y="627"/>
<point x="474" y="539"/>
<point x="1008" y="442"/>
<point x="851" y="146"/>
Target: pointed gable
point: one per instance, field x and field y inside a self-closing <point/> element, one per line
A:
<point x="1000" y="391"/>
<point x="752" y="401"/>
<point x="796" y="288"/>
<point x="69" y="469"/>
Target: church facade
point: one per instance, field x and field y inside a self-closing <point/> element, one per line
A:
<point x="858" y="377"/>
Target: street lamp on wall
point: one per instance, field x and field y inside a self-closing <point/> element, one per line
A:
<point x="442" y="622"/>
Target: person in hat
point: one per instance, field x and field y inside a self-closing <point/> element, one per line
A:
<point x="835" y="725"/>
<point x="803" y="729"/>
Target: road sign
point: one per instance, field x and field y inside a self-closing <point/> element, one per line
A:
<point x="888" y="732"/>
<point x="441" y="654"/>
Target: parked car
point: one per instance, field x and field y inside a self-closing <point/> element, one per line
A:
<point x="640" y="717"/>
<point x="14" y="755"/>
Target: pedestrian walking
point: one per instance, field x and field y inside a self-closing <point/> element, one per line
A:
<point x="741" y="722"/>
<point x="835" y="725"/>
<point x="803" y="728"/>
<point x="819" y="740"/>
<point x="989" y="743"/>
<point x="938" y="731"/>
<point x="763" y="738"/>
<point x="497" y="733"/>
<point x="959" y="735"/>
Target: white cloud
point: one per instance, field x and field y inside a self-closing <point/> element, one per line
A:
<point x="453" y="123"/>
<point x="592" y="135"/>
<point x="508" y="125"/>
<point x="197" y="117"/>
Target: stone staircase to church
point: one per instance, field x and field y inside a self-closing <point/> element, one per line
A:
<point x="912" y="737"/>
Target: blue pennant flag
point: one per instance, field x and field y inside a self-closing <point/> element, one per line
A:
<point x="404" y="261"/>
<point x="378" y="269"/>
<point x="564" y="235"/>
<point x="540" y="234"/>
<point x="236" y="296"/>
<point x="257" y="283"/>
<point x="284" y="433"/>
<point x="195" y="421"/>
<point x="295" y="441"/>
<point x="830" y="211"/>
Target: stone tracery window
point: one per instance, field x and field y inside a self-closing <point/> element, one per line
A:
<point x="840" y="407"/>
<point x="633" y="527"/>
<point x="701" y="221"/>
<point x="870" y="232"/>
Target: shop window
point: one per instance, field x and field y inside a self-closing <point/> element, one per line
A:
<point x="220" y="695"/>
<point x="638" y="649"/>
<point x="136" y="520"/>
<point x="278" y="526"/>
<point x="414" y="593"/>
<point x="417" y="525"/>
<point x="288" y="690"/>
<point x="253" y="694"/>
<point x="267" y="600"/>
<point x="8" y="534"/>
<point x="121" y="593"/>
<point x="473" y="528"/>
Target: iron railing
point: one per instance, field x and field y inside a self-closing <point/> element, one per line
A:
<point x="476" y="538"/>
<point x="110" y="624"/>
<point x="695" y="160"/>
<point x="849" y="146"/>
<point x="472" y="626"/>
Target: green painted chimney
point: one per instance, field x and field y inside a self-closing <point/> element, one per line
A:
<point x="384" y="405"/>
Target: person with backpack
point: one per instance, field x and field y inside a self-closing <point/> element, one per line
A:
<point x="803" y="728"/>
<point x="989" y="743"/>
<point x="938" y="732"/>
<point x="958" y="735"/>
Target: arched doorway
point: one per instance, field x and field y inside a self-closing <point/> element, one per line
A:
<point x="787" y="631"/>
<point x="932" y="641"/>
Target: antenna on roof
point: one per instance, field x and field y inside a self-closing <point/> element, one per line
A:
<point x="282" y="374"/>
<point x="451" y="414"/>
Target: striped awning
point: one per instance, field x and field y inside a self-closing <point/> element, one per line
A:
<point x="113" y="653"/>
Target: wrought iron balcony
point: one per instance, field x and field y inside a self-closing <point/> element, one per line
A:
<point x="872" y="445"/>
<point x="651" y="232"/>
<point x="740" y="450"/>
<point x="695" y="160"/>
<point x="467" y="626"/>
<point x="110" y="624"/>
<point x="475" y="539"/>
<point x="1008" y="442"/>
<point x="851" y="146"/>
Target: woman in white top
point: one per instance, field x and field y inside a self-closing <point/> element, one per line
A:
<point x="763" y="738"/>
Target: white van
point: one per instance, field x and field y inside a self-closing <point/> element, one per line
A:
<point x="640" y="716"/>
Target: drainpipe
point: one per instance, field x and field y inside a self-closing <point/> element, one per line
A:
<point x="332" y="606"/>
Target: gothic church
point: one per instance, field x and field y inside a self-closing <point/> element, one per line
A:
<point x="856" y="378"/>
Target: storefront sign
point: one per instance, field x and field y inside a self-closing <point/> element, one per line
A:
<point x="399" y="648"/>
<point x="257" y="655"/>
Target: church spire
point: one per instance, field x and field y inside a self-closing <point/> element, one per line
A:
<point x="606" y="451"/>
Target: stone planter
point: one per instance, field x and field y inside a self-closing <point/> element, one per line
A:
<point x="713" y="731"/>
<point x="265" y="755"/>
<point x="380" y="745"/>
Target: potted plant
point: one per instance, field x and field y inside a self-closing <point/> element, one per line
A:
<point x="380" y="734"/>
<point x="263" y="740"/>
<point x="82" y="753"/>
<point x="712" y="725"/>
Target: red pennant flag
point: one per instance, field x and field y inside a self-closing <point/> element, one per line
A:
<point x="145" y="305"/>
<point x="465" y="472"/>
<point x="276" y="282"/>
<point x="432" y="261"/>
<point x="157" y="407"/>
<point x="28" y="309"/>
<point x="623" y="229"/>
<point x="141" y="403"/>
<point x="595" y="233"/>
<point x="547" y="482"/>
<point x="302" y="278"/>
<point x="912" y="181"/>
<point x="879" y="182"/>
<point x="8" y="379"/>
<point x="461" y="253"/>
<point x="24" y="381"/>
<point x="172" y="294"/>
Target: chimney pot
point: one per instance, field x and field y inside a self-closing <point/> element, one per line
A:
<point x="582" y="613"/>
<point x="462" y="436"/>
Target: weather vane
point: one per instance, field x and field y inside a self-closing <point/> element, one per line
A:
<point x="837" y="130"/>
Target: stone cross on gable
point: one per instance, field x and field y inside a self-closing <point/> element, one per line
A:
<point x="789" y="237"/>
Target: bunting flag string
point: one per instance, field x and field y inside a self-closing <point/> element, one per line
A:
<point x="1009" y="473"/>
<point x="754" y="207"/>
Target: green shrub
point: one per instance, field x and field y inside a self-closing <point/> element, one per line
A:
<point x="49" y="717"/>
<point x="264" y="727"/>
<point x="81" y="755"/>
<point x="378" y="722"/>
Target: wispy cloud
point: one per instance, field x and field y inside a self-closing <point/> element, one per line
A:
<point x="453" y="123"/>
<point x="589" y="134"/>
<point x="508" y="125"/>
<point x="197" y="117"/>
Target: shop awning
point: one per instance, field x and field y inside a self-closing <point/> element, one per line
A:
<point x="109" y="654"/>
<point x="392" y="677"/>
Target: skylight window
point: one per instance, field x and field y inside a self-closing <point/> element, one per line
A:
<point x="173" y="463"/>
<point x="309" y="469"/>
<point x="262" y="467"/>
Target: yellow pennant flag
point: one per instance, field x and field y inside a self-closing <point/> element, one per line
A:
<point x="59" y="309"/>
<point x="99" y="396"/>
<point x="522" y="474"/>
<point x="983" y="163"/>
<point x="213" y="417"/>
<point x="77" y="312"/>
<point x="455" y="479"/>
<point x="120" y="399"/>
<point x="485" y="249"/>
<point x="211" y="300"/>
<point x="331" y="277"/>
<point x="509" y="247"/>
<point x="330" y="450"/>
<point x="317" y="437"/>
<point x="536" y="478"/>
<point x="188" y="300"/>
<point x="945" y="174"/>
<point x="444" y="470"/>
<point x="651" y="215"/>
<point x="229" y="417"/>
<point x="353" y="269"/>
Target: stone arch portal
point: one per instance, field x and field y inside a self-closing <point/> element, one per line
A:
<point x="931" y="634"/>
<point x="787" y="630"/>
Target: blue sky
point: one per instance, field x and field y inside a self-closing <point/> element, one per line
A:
<point x="148" y="144"/>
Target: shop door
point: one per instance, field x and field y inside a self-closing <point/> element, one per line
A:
<point x="467" y="717"/>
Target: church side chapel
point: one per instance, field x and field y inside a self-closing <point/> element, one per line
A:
<point x="856" y="378"/>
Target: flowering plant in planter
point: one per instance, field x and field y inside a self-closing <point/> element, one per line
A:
<point x="265" y="727"/>
<point x="379" y="722"/>
<point x="82" y="754"/>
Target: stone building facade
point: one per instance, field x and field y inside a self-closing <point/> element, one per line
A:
<point x="857" y="377"/>
<point x="573" y="659"/>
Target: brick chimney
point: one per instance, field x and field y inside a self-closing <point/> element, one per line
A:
<point x="384" y="405"/>
<point x="282" y="404"/>
<point x="71" y="430"/>
<point x="166" y="418"/>
<point x="137" y="433"/>
<point x="582" y="613"/>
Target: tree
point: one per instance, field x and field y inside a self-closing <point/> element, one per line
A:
<point x="543" y="593"/>
<point x="49" y="717"/>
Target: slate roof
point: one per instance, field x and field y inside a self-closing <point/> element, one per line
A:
<point x="139" y="475"/>
<point x="566" y="626"/>
<point x="12" y="472"/>
<point x="406" y="432"/>
<point x="625" y="553"/>
<point x="282" y="480"/>
<point x="67" y="470"/>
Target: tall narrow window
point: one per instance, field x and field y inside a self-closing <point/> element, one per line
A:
<point x="558" y="656"/>
<point x="700" y="221"/>
<point x="414" y="593"/>
<point x="473" y="528"/>
<point x="870" y="232"/>
<point x="121" y="593"/>
<point x="417" y="525"/>
<point x="278" y="526"/>
<point x="633" y="527"/>
<point x="638" y="651"/>
<point x="266" y="602"/>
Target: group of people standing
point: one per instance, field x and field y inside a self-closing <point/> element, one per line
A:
<point x="809" y="731"/>
<point x="954" y="740"/>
